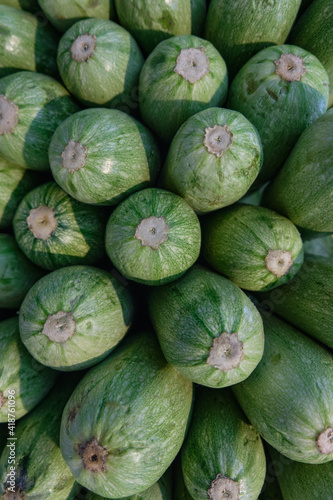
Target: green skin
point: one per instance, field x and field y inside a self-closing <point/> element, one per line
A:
<point x="280" y="110"/>
<point x="167" y="99"/>
<point x="321" y="246"/>
<point x="159" y="491"/>
<point x="21" y="373"/>
<point x="40" y="470"/>
<point x="17" y="273"/>
<point x="236" y="242"/>
<point x="303" y="481"/>
<point x="179" y="489"/>
<point x="152" y="22"/>
<point x="205" y="181"/>
<point x="28" y="5"/>
<point x="302" y="191"/>
<point x="241" y="28"/>
<point x="122" y="156"/>
<point x="306" y="302"/>
<point x="26" y="44"/>
<point x="289" y="396"/>
<point x="42" y="105"/>
<point x="79" y="234"/>
<point x="101" y="308"/>
<point x="314" y="32"/>
<point x="110" y="75"/>
<point x="134" y="405"/>
<point x="15" y="182"/>
<point x="63" y="14"/>
<point x="204" y="305"/>
<point x="221" y="441"/>
<point x="143" y="263"/>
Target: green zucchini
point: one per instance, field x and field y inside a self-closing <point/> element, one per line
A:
<point x="100" y="156"/>
<point x="306" y="302"/>
<point x="289" y="396"/>
<point x="63" y="14"/>
<point x="179" y="489"/>
<point x="17" y="273"/>
<point x="302" y="191"/>
<point x="31" y="466"/>
<point x="153" y="237"/>
<point x="303" y="481"/>
<point x="99" y="62"/>
<point x="74" y="317"/>
<point x="27" y="5"/>
<point x="26" y="44"/>
<point x="255" y="247"/>
<point x="281" y="91"/>
<point x="182" y="76"/>
<point x="241" y="28"/>
<point x="314" y="32"/>
<point x="213" y="159"/>
<point x="222" y="456"/>
<point x="54" y="230"/>
<point x="152" y="21"/>
<point x="32" y="106"/>
<point x="207" y="328"/>
<point x="23" y="381"/>
<point x="127" y="418"/>
<point x="15" y="182"/>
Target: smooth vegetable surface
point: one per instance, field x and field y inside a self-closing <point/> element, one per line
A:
<point x="126" y="420"/>
<point x="213" y="159"/>
<point x="207" y="328"/>
<point x="74" y="317"/>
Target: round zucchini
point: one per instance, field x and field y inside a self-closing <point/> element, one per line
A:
<point x="63" y="14"/>
<point x="281" y="90"/>
<point x="39" y="469"/>
<point x="127" y="418"/>
<point x="213" y="159"/>
<point x="26" y="5"/>
<point x="17" y="273"/>
<point x="74" y="317"/>
<point x="100" y="156"/>
<point x="54" y="230"/>
<point x="26" y="44"/>
<point x="306" y="302"/>
<point x="23" y="381"/>
<point x="32" y="106"/>
<point x="182" y="76"/>
<point x="253" y="246"/>
<point x="162" y="19"/>
<point x="15" y="182"/>
<point x="302" y="191"/>
<point x="153" y="237"/>
<point x="241" y="28"/>
<point x="314" y="32"/>
<point x="303" y="481"/>
<point x="222" y="456"/>
<point x="100" y="63"/>
<point x="289" y="396"/>
<point x="207" y="328"/>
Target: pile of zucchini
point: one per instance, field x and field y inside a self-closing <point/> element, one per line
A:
<point x="166" y="249"/>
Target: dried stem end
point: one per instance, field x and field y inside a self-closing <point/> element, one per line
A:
<point x="3" y="400"/>
<point x="290" y="67"/>
<point x="13" y="493"/>
<point x="83" y="47"/>
<point x="74" y="156"/>
<point x="222" y="487"/>
<point x="226" y="352"/>
<point x="152" y="232"/>
<point x="279" y="262"/>
<point x="59" y="327"/>
<point x="325" y="441"/>
<point x="218" y="139"/>
<point x="42" y="222"/>
<point x="192" y="64"/>
<point x="93" y="456"/>
<point x="8" y="115"/>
